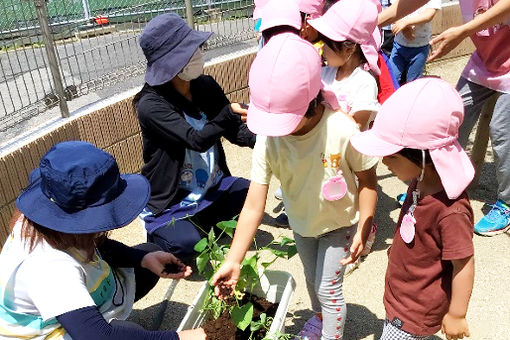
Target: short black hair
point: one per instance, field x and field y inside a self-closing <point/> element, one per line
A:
<point x="415" y="156"/>
<point x="310" y="112"/>
<point x="272" y="31"/>
<point x="337" y="46"/>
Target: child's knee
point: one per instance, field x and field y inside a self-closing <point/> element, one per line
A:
<point x="330" y="294"/>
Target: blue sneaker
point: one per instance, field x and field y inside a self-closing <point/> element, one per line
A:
<point x="497" y="221"/>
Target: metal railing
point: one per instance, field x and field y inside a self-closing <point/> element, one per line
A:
<point x="52" y="52"/>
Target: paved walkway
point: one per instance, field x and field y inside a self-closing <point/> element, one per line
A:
<point x="489" y="310"/>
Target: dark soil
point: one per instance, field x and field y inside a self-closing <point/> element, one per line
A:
<point x="224" y="328"/>
<point x="171" y="268"/>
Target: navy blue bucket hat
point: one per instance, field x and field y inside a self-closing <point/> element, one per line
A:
<point x="168" y="44"/>
<point x="78" y="189"/>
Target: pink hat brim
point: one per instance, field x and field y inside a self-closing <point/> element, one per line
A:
<point x="322" y="27"/>
<point x="370" y="144"/>
<point x="454" y="168"/>
<point x="264" y="123"/>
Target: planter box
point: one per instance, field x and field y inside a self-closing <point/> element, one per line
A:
<point x="275" y="286"/>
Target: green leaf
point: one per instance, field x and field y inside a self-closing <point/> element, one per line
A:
<point x="285" y="240"/>
<point x="227" y="227"/>
<point x="202" y="261"/>
<point x="255" y="326"/>
<point x="242" y="316"/>
<point x="201" y="245"/>
<point x="277" y="252"/>
<point x="263" y="317"/>
<point x="211" y="236"/>
<point x="267" y="264"/>
<point x="251" y="261"/>
<point x="291" y="251"/>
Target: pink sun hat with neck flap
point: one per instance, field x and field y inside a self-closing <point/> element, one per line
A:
<point x="354" y="20"/>
<point x="313" y="8"/>
<point x="284" y="78"/>
<point x="257" y="11"/>
<point x="424" y="114"/>
<point x="280" y="13"/>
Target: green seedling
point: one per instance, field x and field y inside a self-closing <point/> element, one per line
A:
<point x="211" y="257"/>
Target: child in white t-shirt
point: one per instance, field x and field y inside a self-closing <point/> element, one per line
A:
<point x="305" y="144"/>
<point x="347" y="30"/>
<point x="411" y="44"/>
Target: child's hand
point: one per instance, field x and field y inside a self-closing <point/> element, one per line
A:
<point x="399" y="26"/>
<point x="240" y="110"/>
<point x="159" y="263"/>
<point x="408" y="32"/>
<point x="445" y="42"/>
<point x="356" y="248"/>
<point x="454" y="327"/>
<point x="225" y="279"/>
<point x="192" y="334"/>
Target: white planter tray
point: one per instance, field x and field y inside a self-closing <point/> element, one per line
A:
<point x="275" y="286"/>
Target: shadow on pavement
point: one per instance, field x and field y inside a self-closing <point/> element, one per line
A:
<point x="361" y="323"/>
<point x="174" y="313"/>
<point x="386" y="225"/>
<point x="486" y="190"/>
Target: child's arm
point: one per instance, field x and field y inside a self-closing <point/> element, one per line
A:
<point x="449" y="39"/>
<point x="367" y="193"/>
<point x="454" y="324"/>
<point x="361" y="118"/>
<point x="249" y="220"/>
<point x="425" y="16"/>
<point x="399" y="9"/>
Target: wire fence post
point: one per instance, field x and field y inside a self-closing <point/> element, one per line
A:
<point x="189" y="13"/>
<point x="86" y="10"/>
<point x="49" y="45"/>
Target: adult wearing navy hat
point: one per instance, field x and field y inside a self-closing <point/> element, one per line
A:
<point x="60" y="276"/>
<point x="183" y="114"/>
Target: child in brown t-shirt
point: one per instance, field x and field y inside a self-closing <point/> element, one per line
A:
<point x="430" y="271"/>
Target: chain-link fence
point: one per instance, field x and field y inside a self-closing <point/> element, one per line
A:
<point x="95" y="43"/>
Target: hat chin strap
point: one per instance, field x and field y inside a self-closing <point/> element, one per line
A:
<point x="420" y="178"/>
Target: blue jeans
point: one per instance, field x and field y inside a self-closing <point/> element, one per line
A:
<point x="408" y="61"/>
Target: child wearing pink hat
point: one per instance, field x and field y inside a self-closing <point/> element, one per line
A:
<point x="310" y="9"/>
<point x="347" y="29"/>
<point x="430" y="271"/>
<point x="280" y="16"/>
<point x="305" y="144"/>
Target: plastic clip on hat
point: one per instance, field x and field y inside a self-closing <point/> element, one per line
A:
<point x="424" y="114"/>
<point x="78" y="189"/>
<point x="281" y="13"/>
<point x="313" y="8"/>
<point x="354" y="20"/>
<point x="284" y="78"/>
<point x="168" y="44"/>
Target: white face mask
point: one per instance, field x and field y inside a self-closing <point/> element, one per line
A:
<point x="194" y="68"/>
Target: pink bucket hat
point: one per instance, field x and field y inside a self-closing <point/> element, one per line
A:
<point x="284" y="78"/>
<point x="354" y="20"/>
<point x="423" y="114"/>
<point x="313" y="8"/>
<point x="257" y="11"/>
<point x="280" y="13"/>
